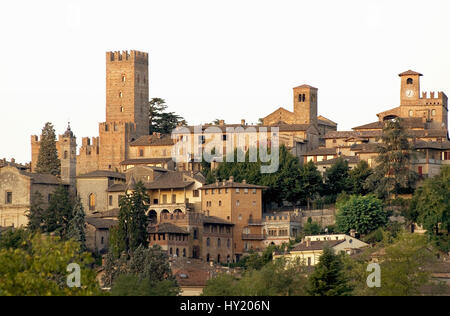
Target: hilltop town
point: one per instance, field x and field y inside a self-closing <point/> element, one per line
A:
<point x="205" y="222"/>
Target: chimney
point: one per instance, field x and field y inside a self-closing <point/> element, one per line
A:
<point x="244" y="181"/>
<point x="242" y="122"/>
<point x="353" y="233"/>
<point x="217" y="182"/>
<point x="222" y="122"/>
<point x="231" y="179"/>
<point x="308" y="242"/>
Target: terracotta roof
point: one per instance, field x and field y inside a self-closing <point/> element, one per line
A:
<point x="325" y="121"/>
<point x="153" y="140"/>
<point x="431" y="145"/>
<point x="348" y="134"/>
<point x="229" y="184"/>
<point x="216" y="220"/>
<point x="145" y="161"/>
<point x="414" y="122"/>
<point x="305" y="86"/>
<point x="321" y="151"/>
<point x="101" y="223"/>
<point x="39" y="178"/>
<point x="103" y="174"/>
<point x="170" y="180"/>
<point x="166" y="228"/>
<point x="410" y="73"/>
<point x="428" y="133"/>
<point x="283" y="127"/>
<point x="350" y="159"/>
<point x="365" y="148"/>
<point x="317" y="245"/>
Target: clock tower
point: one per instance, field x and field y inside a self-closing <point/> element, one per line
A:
<point x="410" y="87"/>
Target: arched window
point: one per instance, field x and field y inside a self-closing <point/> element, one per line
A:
<point x="66" y="154"/>
<point x="409" y="81"/>
<point x="207" y="257"/>
<point x="178" y="252"/>
<point x="219" y="243"/>
<point x="92" y="202"/>
<point x="410" y="113"/>
<point x="208" y="242"/>
<point x="433" y="112"/>
<point x="218" y="258"/>
<point x="184" y="252"/>
<point x="120" y="94"/>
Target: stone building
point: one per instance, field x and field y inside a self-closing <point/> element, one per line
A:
<point x="97" y="234"/>
<point x="240" y="204"/>
<point x="425" y="118"/>
<point x="281" y="228"/>
<point x="18" y="190"/>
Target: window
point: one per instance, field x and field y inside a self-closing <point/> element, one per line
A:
<point x="196" y="193"/>
<point x="177" y="252"/>
<point x="237" y="190"/>
<point x="208" y="242"/>
<point x="433" y="112"/>
<point x="8" y="197"/>
<point x="141" y="153"/>
<point x="184" y="252"/>
<point x="410" y="113"/>
<point x="92" y="202"/>
<point x="240" y="217"/>
<point x="121" y="109"/>
<point x="228" y="243"/>
<point x="110" y="200"/>
<point x="309" y="261"/>
<point x="238" y="203"/>
<point x="120" y="94"/>
<point x="219" y="243"/>
<point x="220" y="203"/>
<point x="409" y="81"/>
<point x="245" y="191"/>
<point x="195" y="234"/>
<point x="102" y="241"/>
<point x="66" y="154"/>
<point x="124" y="78"/>
<point x="206" y="192"/>
<point x="420" y="170"/>
<point x="254" y="191"/>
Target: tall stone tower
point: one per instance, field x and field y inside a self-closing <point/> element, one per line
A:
<point x="67" y="144"/>
<point x="127" y="89"/>
<point x="410" y="87"/>
<point x="305" y="104"/>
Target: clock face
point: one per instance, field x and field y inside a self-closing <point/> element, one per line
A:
<point x="409" y="93"/>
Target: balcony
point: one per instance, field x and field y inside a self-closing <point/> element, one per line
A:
<point x="253" y="237"/>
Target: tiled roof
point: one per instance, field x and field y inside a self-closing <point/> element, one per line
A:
<point x="348" y="134"/>
<point x="350" y="159"/>
<point x="38" y="178"/>
<point x="216" y="220"/>
<point x="153" y="140"/>
<point x="414" y="122"/>
<point x="428" y="133"/>
<point x="432" y="145"/>
<point x="145" y="161"/>
<point x="166" y="228"/>
<point x="170" y="180"/>
<point x="101" y="223"/>
<point x="103" y="174"/>
<point x="410" y="73"/>
<point x="117" y="187"/>
<point x="305" y="86"/>
<point x="321" y="151"/>
<point x="316" y="245"/>
<point x="325" y="121"/>
<point x="110" y="213"/>
<point x="283" y="127"/>
<point x="228" y="184"/>
<point x="365" y="148"/>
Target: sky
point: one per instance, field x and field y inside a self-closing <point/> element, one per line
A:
<point x="212" y="59"/>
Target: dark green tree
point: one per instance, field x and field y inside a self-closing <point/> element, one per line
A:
<point x="392" y="175"/>
<point x="77" y="225"/>
<point x="36" y="213"/>
<point x="358" y="177"/>
<point x="362" y="213"/>
<point x="311" y="228"/>
<point x="328" y="278"/>
<point x="337" y="178"/>
<point x="430" y="207"/>
<point x="48" y="161"/>
<point x="160" y="120"/>
<point x="132" y="227"/>
<point x="311" y="182"/>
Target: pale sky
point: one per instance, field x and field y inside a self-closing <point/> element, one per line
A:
<point x="214" y="59"/>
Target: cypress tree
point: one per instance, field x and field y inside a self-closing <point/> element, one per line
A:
<point x="77" y="225"/>
<point x="48" y="161"/>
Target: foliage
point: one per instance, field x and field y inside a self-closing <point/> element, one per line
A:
<point x="328" y="278"/>
<point x="430" y="207"/>
<point x="337" y="178"/>
<point x="393" y="175"/>
<point x="41" y="269"/>
<point x="77" y="225"/>
<point x="274" y="279"/>
<point x="358" y="177"/>
<point x="15" y="239"/>
<point x="48" y="161"/>
<point x="132" y="227"/>
<point x="147" y="266"/>
<point x="56" y="218"/>
<point x="362" y="213"/>
<point x="311" y="228"/>
<point x="36" y="213"/>
<point x="161" y="121"/>
<point x="311" y="182"/>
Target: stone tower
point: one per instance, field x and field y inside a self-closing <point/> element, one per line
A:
<point x="67" y="144"/>
<point x="127" y="89"/>
<point x="410" y="87"/>
<point x="305" y="104"/>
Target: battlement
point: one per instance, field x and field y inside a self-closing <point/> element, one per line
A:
<point x="282" y="218"/>
<point x="433" y="98"/>
<point x="35" y="139"/>
<point x="117" y="127"/>
<point x="125" y="56"/>
<point x="86" y="142"/>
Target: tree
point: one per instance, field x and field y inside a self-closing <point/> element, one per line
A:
<point x="393" y="175"/>
<point x="362" y="213"/>
<point x="328" y="278"/>
<point x="132" y="227"/>
<point x="59" y="213"/>
<point x="15" y="239"/>
<point x="311" y="182"/>
<point x="41" y="270"/>
<point x="337" y="178"/>
<point x="161" y="121"/>
<point x="150" y="266"/>
<point x="36" y="213"/>
<point x="430" y="207"/>
<point x="403" y="266"/>
<point x="48" y="161"/>
<point x="311" y="228"/>
<point x="77" y="225"/>
<point x="358" y="177"/>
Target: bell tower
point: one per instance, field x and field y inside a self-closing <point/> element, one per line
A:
<point x="305" y="104"/>
<point x="67" y="143"/>
<point x="410" y="87"/>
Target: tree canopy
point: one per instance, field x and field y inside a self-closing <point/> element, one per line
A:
<point x="160" y="120"/>
<point x="48" y="161"/>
